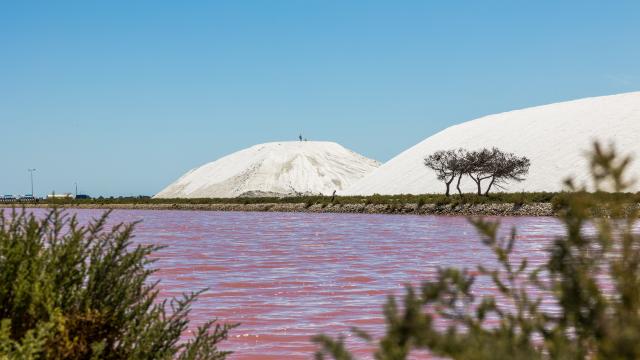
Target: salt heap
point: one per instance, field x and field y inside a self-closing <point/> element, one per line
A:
<point x="554" y="137"/>
<point x="274" y="169"/>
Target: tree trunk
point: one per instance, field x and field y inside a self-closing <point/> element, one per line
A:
<point x="478" y="182"/>
<point x="458" y="185"/>
<point x="493" y="179"/>
<point x="448" y="183"/>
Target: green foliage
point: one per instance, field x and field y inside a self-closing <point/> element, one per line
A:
<point x="308" y="204"/>
<point x="31" y="345"/>
<point x="592" y="278"/>
<point x="563" y="199"/>
<point x="320" y="200"/>
<point x="83" y="292"/>
<point x="520" y="199"/>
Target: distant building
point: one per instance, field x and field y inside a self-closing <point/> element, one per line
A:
<point x="18" y="198"/>
<point x="60" y="196"/>
<point x="7" y="198"/>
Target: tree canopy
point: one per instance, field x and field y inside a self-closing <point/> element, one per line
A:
<point x="447" y="165"/>
<point x="493" y="164"/>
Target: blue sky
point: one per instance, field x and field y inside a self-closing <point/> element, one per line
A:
<point x="124" y="96"/>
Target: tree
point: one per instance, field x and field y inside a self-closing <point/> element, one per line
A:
<point x="479" y="165"/>
<point x="83" y="292"/>
<point x="496" y="165"/>
<point x="592" y="278"/>
<point x="447" y="165"/>
<point x="505" y="167"/>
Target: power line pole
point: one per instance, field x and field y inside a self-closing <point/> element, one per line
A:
<point x="31" y="173"/>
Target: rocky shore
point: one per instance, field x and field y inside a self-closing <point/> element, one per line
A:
<point x="495" y="209"/>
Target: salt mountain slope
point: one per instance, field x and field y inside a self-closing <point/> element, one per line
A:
<point x="554" y="137"/>
<point x="273" y="169"/>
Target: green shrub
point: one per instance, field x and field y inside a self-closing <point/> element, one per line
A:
<point x="440" y="201"/>
<point x="594" y="280"/>
<point x="560" y="200"/>
<point x="83" y="292"/>
<point x="376" y="199"/>
<point x="520" y="199"/>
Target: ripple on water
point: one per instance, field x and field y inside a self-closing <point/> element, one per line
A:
<point x="289" y="276"/>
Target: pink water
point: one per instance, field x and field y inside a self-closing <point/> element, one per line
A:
<point x="288" y="276"/>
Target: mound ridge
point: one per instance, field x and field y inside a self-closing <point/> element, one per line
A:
<point x="555" y="137"/>
<point x="274" y="169"/>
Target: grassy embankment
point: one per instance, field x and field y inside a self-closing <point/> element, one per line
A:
<point x="557" y="199"/>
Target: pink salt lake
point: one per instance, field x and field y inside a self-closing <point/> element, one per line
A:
<point x="288" y="276"/>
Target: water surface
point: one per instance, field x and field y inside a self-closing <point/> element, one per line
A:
<point x="288" y="276"/>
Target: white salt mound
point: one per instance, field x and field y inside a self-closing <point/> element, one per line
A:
<point x="554" y="137"/>
<point x="274" y="169"/>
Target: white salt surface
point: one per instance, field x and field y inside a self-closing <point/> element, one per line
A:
<point x="279" y="168"/>
<point x="554" y="137"/>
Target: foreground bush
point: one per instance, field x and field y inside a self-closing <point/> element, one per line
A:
<point x="593" y="281"/>
<point x="83" y="292"/>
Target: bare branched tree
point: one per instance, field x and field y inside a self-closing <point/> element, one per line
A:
<point x="497" y="165"/>
<point x="485" y="164"/>
<point x="447" y="165"/>
<point x="506" y="167"/>
<point x="479" y="165"/>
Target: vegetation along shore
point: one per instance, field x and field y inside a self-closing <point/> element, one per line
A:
<point x="500" y="204"/>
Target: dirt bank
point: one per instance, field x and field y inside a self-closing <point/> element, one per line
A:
<point x="496" y="209"/>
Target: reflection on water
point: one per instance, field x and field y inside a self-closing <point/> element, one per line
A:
<point x="289" y="276"/>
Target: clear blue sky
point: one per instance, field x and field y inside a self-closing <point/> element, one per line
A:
<point x="125" y="96"/>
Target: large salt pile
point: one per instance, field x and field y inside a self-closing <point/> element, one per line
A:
<point x="274" y="169"/>
<point x="554" y="137"/>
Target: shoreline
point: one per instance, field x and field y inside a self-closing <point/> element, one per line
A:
<point x="488" y="209"/>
